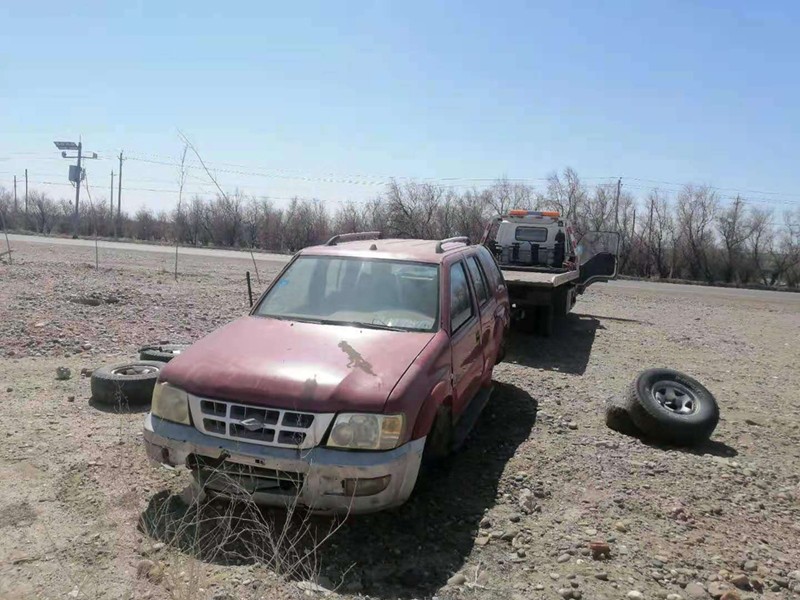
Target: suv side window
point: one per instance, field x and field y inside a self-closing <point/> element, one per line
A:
<point x="460" y="297"/>
<point x="478" y="279"/>
<point x="491" y="269"/>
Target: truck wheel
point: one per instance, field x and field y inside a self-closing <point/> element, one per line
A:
<point x="560" y="309"/>
<point x="439" y="443"/>
<point x="544" y="321"/>
<point x="127" y="384"/>
<point x="161" y="352"/>
<point x="527" y="323"/>
<point x="671" y="407"/>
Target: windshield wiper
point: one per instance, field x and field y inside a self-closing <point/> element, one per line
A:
<point x="374" y="325"/>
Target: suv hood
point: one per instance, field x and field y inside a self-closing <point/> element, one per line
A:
<point x="296" y="365"/>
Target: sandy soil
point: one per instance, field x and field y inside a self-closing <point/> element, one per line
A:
<point x="510" y="516"/>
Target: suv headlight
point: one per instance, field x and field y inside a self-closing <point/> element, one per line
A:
<point x="366" y="431"/>
<point x="170" y="403"/>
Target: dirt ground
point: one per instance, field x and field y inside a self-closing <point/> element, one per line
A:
<point x="510" y="516"/>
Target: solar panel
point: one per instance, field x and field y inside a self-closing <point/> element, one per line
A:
<point x="66" y="145"/>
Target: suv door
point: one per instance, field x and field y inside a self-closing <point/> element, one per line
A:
<point x="597" y="253"/>
<point x="487" y="305"/>
<point x="465" y="338"/>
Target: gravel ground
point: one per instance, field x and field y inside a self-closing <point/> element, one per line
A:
<point x="510" y="516"/>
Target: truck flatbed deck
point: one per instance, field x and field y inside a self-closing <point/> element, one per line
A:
<point x="543" y="279"/>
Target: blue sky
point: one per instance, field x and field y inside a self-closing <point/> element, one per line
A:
<point x="327" y="99"/>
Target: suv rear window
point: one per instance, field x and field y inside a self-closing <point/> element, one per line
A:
<point x="530" y="234"/>
<point x="478" y="279"/>
<point x="460" y="298"/>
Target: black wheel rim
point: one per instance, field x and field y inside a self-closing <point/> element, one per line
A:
<point x="675" y="397"/>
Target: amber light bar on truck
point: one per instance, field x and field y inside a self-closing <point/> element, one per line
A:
<point x="533" y="213"/>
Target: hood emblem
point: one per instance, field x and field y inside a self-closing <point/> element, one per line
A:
<point x="252" y="424"/>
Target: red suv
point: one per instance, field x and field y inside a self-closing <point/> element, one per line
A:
<point x="363" y="357"/>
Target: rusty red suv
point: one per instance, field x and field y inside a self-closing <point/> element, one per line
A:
<point x="363" y="357"/>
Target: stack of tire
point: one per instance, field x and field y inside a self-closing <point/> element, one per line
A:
<point x="665" y="406"/>
<point x="131" y="384"/>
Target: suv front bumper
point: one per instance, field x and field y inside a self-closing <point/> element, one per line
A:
<point x="322" y="471"/>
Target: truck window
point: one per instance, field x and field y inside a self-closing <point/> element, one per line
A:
<point x="460" y="298"/>
<point x="478" y="280"/>
<point x="530" y="234"/>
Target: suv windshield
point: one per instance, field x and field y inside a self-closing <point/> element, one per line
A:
<point x="354" y="291"/>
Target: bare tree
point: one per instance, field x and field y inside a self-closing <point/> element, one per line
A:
<point x="760" y="242"/>
<point x="566" y="194"/>
<point x="735" y="229"/>
<point x="697" y="210"/>
<point x="44" y="211"/>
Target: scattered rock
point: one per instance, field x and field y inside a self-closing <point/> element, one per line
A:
<point x="310" y="586"/>
<point x="600" y="550"/>
<point x="63" y="373"/>
<point x="750" y="565"/>
<point x="741" y="581"/>
<point x="87" y="372"/>
<point x="572" y="425"/>
<point x="716" y="589"/>
<point x="527" y="501"/>
<point x="635" y="595"/>
<point x="563" y="558"/>
<point x="486" y="523"/>
<point x="602" y="576"/>
<point x="621" y="527"/>
<point x="457" y="579"/>
<point x="695" y="590"/>
<point x="153" y="571"/>
<point x="70" y="398"/>
<point x="731" y="595"/>
<point x="674" y="597"/>
<point x="9" y="390"/>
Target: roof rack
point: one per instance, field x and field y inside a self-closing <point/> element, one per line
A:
<point x="352" y="237"/>
<point x="462" y="239"/>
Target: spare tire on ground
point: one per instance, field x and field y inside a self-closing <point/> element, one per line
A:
<point x="671" y="407"/>
<point x="127" y="384"/>
<point x="161" y="352"/>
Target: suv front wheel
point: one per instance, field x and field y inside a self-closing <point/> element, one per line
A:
<point x="439" y="444"/>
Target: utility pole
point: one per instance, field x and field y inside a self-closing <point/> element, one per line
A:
<point x="616" y="205"/>
<point x="112" y="195"/>
<point x="76" y="223"/>
<point x="76" y="175"/>
<point x="119" y="196"/>
<point x="26" y="197"/>
<point x="15" y="193"/>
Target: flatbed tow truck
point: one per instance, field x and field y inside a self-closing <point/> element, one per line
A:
<point x="545" y="270"/>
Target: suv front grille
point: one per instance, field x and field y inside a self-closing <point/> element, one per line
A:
<point x="257" y="424"/>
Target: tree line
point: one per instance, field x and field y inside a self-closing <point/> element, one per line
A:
<point x="692" y="234"/>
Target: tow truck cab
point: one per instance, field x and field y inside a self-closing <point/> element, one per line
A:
<point x="545" y="266"/>
<point x="540" y="239"/>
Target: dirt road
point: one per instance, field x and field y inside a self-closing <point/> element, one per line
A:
<point x="510" y="516"/>
<point x="274" y="260"/>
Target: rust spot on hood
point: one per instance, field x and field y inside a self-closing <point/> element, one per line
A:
<point x="356" y="360"/>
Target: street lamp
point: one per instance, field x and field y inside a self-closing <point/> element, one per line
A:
<point x="76" y="175"/>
